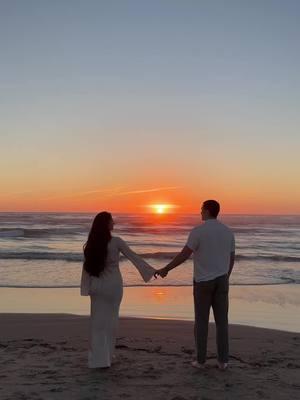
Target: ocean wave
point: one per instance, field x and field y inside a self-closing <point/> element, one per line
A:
<point x="28" y="255"/>
<point x="16" y="232"/>
<point x="135" y="227"/>
<point x="135" y="230"/>
<point x="38" y="233"/>
<point x="73" y="257"/>
<point x="276" y="258"/>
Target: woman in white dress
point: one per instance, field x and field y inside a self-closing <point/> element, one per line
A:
<point x="102" y="281"/>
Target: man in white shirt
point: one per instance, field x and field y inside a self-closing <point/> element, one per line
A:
<point x="213" y="246"/>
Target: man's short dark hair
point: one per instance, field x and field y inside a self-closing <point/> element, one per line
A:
<point x="213" y="207"/>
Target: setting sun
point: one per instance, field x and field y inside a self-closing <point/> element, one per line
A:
<point x="162" y="208"/>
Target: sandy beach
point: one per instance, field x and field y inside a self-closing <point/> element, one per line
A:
<point x="44" y="356"/>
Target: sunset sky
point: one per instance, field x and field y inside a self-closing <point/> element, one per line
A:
<point x="118" y="105"/>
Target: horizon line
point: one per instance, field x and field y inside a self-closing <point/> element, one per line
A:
<point x="146" y="213"/>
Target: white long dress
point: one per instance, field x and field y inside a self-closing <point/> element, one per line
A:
<point x="106" y="294"/>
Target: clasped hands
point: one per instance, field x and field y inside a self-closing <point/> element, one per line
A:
<point x="163" y="272"/>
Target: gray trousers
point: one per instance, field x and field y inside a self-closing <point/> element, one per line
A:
<point x="206" y="294"/>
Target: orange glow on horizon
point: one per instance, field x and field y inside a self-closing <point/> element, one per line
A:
<point x="161" y="201"/>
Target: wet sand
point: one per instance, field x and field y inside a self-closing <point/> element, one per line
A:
<point x="273" y="306"/>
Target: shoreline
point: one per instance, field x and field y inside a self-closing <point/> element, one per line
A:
<point x="291" y="282"/>
<point x="271" y="307"/>
<point x="44" y="356"/>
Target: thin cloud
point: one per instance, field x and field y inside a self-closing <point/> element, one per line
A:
<point x="150" y="190"/>
<point x="95" y="191"/>
<point x="111" y="192"/>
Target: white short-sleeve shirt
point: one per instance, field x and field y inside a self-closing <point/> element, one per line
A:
<point x="212" y="242"/>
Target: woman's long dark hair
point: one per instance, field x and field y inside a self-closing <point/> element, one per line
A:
<point x="95" y="249"/>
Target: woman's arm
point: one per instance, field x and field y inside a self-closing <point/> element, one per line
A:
<point x="145" y="270"/>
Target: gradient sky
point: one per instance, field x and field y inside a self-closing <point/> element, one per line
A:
<point x="119" y="104"/>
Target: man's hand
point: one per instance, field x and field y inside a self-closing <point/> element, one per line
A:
<point x="185" y="253"/>
<point x="163" y="272"/>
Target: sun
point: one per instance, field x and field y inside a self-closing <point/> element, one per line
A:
<point x="161" y="208"/>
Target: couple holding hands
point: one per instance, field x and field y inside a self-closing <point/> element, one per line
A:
<point x="213" y="247"/>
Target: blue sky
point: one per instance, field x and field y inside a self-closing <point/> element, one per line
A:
<point x="197" y="86"/>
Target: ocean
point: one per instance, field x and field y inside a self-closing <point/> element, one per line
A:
<point x="44" y="250"/>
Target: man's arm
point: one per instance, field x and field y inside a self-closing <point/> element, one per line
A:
<point x="179" y="259"/>
<point x="231" y="264"/>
